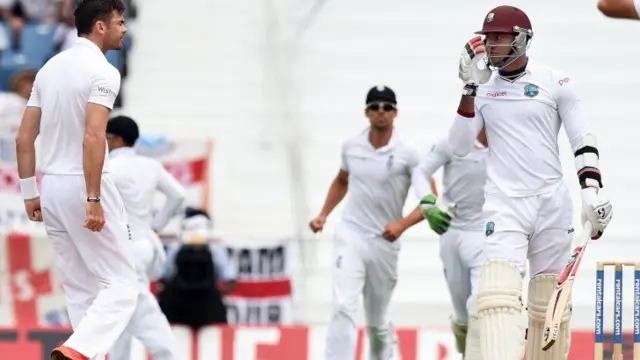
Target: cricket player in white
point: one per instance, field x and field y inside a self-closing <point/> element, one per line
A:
<point x="376" y="171"/>
<point x="528" y="211"/>
<point x="620" y="9"/>
<point x="82" y="211"/>
<point x="138" y="178"/>
<point x="462" y="240"/>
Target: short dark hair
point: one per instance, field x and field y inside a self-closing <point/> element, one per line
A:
<point x="88" y="12"/>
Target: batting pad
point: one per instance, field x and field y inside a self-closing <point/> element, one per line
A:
<point x="472" y="351"/>
<point x="541" y="289"/>
<point x="499" y="306"/>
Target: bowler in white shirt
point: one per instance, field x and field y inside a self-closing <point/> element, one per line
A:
<point x="138" y="179"/>
<point x="376" y="172"/>
<point x="521" y="105"/>
<point x="82" y="210"/>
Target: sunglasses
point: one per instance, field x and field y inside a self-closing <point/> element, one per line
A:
<point x="386" y="107"/>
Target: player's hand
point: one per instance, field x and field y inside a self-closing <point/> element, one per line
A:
<point x="393" y="231"/>
<point x="32" y="207"/>
<point x="317" y="224"/>
<point x="597" y="209"/>
<point x="473" y="68"/>
<point x="95" y="216"/>
<point x="439" y="219"/>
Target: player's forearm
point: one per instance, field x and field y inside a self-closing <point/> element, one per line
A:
<point x="94" y="147"/>
<point x="463" y="131"/>
<point x="413" y="218"/>
<point x="337" y="192"/>
<point x="622" y="9"/>
<point x="26" y="154"/>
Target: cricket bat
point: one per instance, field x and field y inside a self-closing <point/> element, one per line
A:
<point x="562" y="292"/>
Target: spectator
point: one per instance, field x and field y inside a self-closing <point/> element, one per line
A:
<point x="13" y="102"/>
<point x="3" y="39"/>
<point x="17" y="12"/>
<point x="196" y="276"/>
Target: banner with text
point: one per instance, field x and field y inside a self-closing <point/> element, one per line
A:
<point x="281" y="343"/>
<point x="189" y="160"/>
<point x="264" y="292"/>
<point x="30" y="295"/>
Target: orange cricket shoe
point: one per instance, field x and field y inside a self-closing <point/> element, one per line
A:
<point x="66" y="353"/>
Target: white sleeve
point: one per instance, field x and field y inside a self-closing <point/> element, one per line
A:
<point x="105" y="88"/>
<point x="464" y="131"/>
<point x="636" y="5"/>
<point x="439" y="155"/>
<point x="571" y="112"/>
<point x="414" y="160"/>
<point x="343" y="158"/>
<point x="584" y="144"/>
<point x="34" y="98"/>
<point x="175" y="194"/>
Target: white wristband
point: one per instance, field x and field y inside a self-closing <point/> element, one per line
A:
<point x="29" y="188"/>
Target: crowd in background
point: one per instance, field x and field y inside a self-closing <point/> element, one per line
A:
<point x="32" y="31"/>
<point x="197" y="272"/>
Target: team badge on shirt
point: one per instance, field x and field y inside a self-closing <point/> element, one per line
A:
<point x="531" y="90"/>
<point x="390" y="161"/>
<point x="490" y="228"/>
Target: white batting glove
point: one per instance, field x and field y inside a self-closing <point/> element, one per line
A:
<point x="597" y="209"/>
<point x="474" y="69"/>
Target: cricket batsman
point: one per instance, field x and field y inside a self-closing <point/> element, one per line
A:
<point x="521" y="105"/>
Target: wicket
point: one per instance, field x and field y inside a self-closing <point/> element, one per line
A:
<point x="617" y="309"/>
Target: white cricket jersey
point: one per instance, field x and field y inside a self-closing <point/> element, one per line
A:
<point x="522" y="119"/>
<point x="137" y="179"/>
<point x="63" y="88"/>
<point x="463" y="181"/>
<point x="379" y="180"/>
<point x="11" y="110"/>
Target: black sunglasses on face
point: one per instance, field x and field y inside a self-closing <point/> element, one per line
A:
<point x="384" y="106"/>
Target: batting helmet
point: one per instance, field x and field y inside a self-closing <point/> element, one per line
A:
<point x="509" y="19"/>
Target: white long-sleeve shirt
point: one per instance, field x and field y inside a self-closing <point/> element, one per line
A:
<point x="138" y="178"/>
<point x="522" y="119"/>
<point x="463" y="181"/>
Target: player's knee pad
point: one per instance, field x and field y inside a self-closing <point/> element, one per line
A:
<point x="499" y="306"/>
<point x="541" y="289"/>
<point x="460" y="334"/>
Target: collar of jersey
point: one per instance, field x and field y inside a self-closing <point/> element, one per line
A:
<point x="393" y="141"/>
<point x="123" y="151"/>
<point x="90" y="44"/>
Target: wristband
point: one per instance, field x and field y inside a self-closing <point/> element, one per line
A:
<point x="470" y="90"/>
<point x="29" y="188"/>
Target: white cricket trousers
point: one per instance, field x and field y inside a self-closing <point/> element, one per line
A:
<point x="148" y="324"/>
<point x="364" y="264"/>
<point x="462" y="257"/>
<point x="96" y="269"/>
<point x="538" y="228"/>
